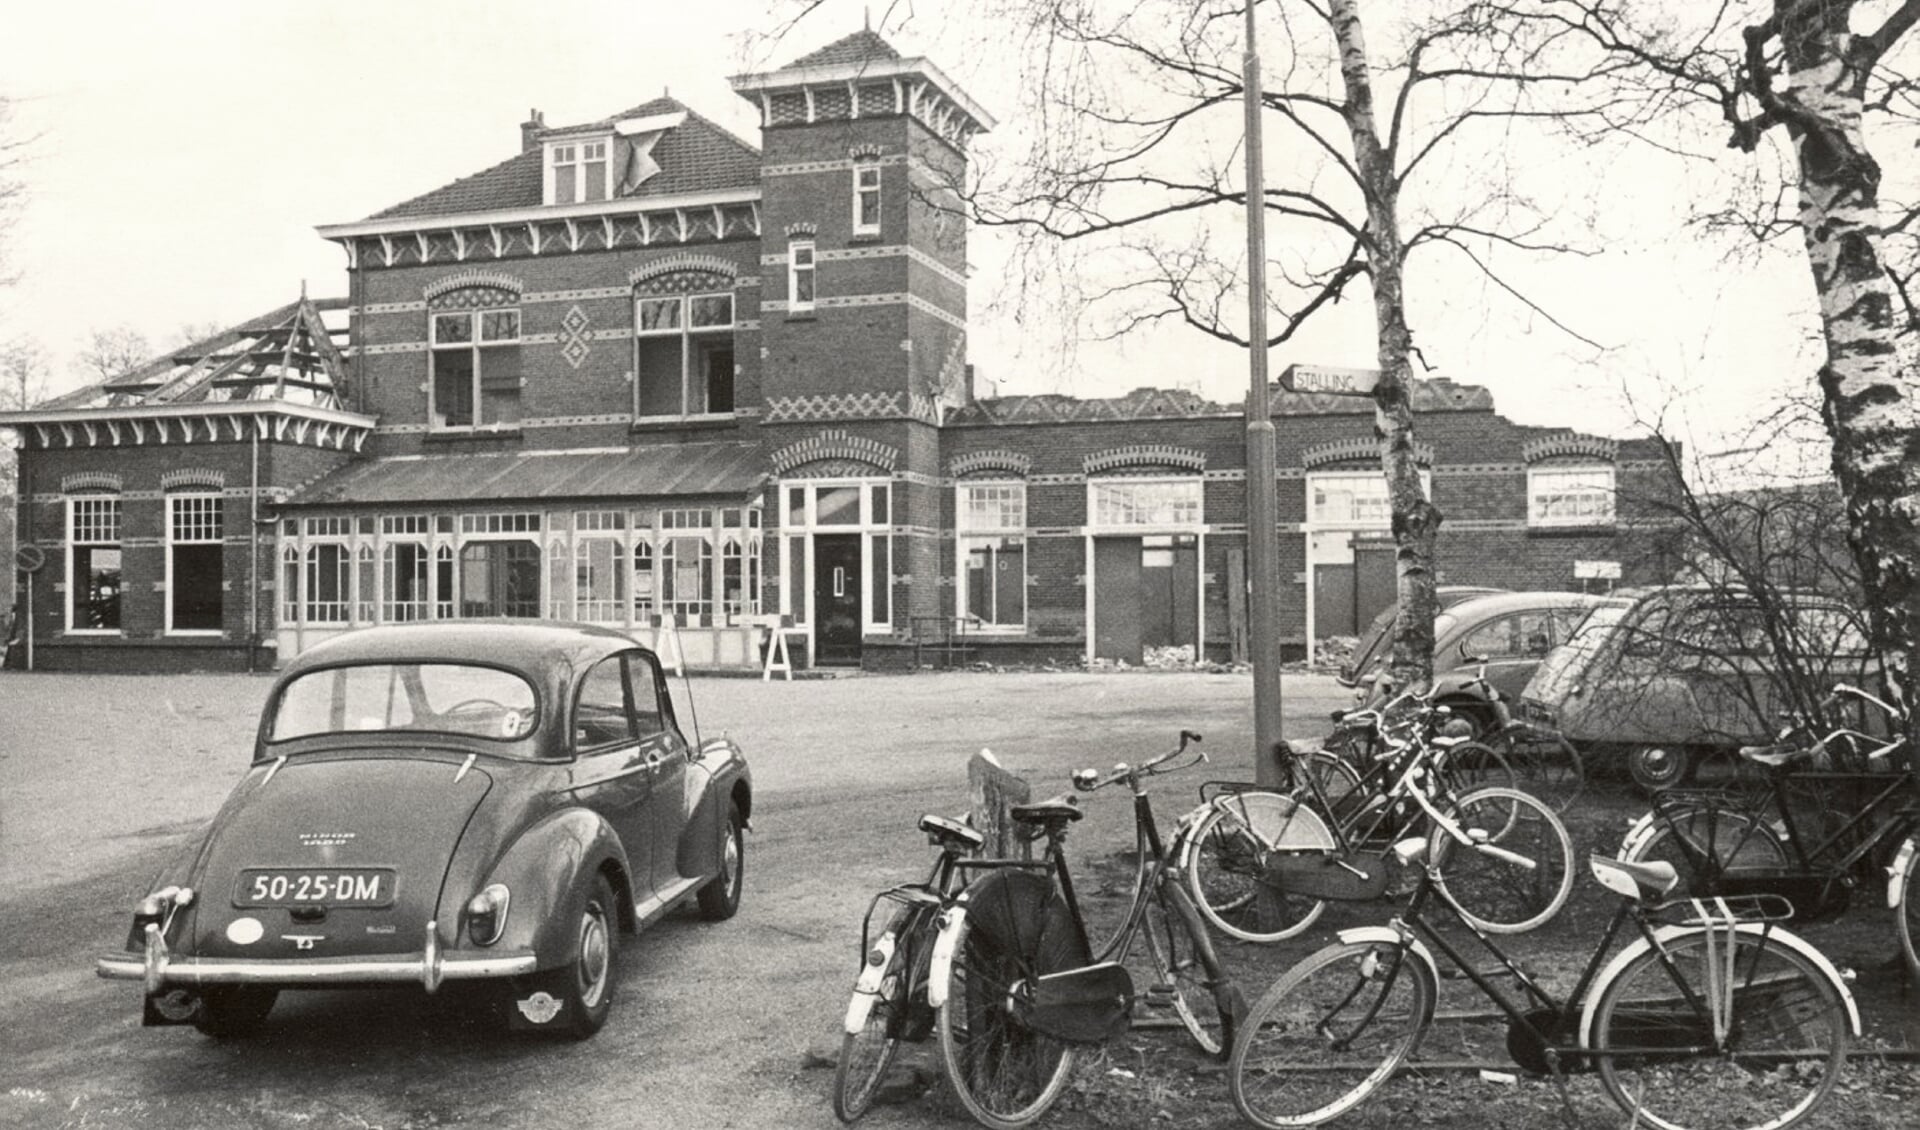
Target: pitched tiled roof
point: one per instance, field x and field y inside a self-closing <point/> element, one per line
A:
<point x="860" y="47"/>
<point x="695" y="156"/>
<point x="663" y="470"/>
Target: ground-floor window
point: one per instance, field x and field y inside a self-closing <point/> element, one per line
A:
<point x="93" y="536"/>
<point x="500" y="578"/>
<point x="196" y="563"/>
<point x="405" y="577"/>
<point x="995" y="580"/>
<point x="328" y="583"/>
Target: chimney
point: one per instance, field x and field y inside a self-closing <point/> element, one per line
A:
<point x="530" y="130"/>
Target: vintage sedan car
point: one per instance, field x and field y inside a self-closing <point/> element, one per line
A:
<point x="457" y="801"/>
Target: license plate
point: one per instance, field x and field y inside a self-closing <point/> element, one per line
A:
<point x="314" y="886"/>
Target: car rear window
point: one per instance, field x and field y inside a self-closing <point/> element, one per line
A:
<point x="456" y="698"/>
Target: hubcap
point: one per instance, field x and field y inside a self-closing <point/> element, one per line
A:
<point x="730" y="862"/>
<point x="593" y="955"/>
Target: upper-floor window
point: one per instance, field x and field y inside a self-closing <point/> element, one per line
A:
<point x="866" y="199"/>
<point x="577" y="171"/>
<point x="93" y="541"/>
<point x="475" y="361"/>
<point x="684" y="353"/>
<point x="1570" y="496"/>
<point x="800" y="288"/>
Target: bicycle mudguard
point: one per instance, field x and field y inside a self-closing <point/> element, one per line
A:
<point x="1083" y="1006"/>
<point x="1903" y="862"/>
<point x="1014" y="911"/>
<point x="1358" y="877"/>
<point x="1387" y="935"/>
<point x="1774" y="935"/>
<point x="1637" y="833"/>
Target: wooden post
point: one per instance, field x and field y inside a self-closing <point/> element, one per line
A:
<point x="1237" y="603"/>
<point x="993" y="790"/>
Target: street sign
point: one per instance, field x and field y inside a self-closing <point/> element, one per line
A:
<point x="1596" y="570"/>
<point x="1327" y="378"/>
<point x="29" y="558"/>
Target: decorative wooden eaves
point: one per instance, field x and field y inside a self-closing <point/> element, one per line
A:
<point x="1011" y="464"/>
<point x="1145" y="455"/>
<point x="164" y="426"/>
<point x="1571" y="444"/>
<point x="1357" y="449"/>
<point x="835" y="444"/>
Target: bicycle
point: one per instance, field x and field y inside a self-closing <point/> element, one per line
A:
<point x="890" y="994"/>
<point x="1261" y="864"/>
<point x="1017" y="985"/>
<point x="1544" y="761"/>
<point x="1728" y="842"/>
<point x="1724" y="1016"/>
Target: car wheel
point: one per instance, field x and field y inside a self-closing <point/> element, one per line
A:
<point x="720" y="898"/>
<point x="230" y="1011"/>
<point x="1475" y="713"/>
<point x="1656" y="767"/>
<point x="587" y="991"/>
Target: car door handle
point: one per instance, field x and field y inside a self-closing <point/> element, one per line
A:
<point x="654" y="760"/>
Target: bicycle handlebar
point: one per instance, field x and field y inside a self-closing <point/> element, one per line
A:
<point x="1087" y="780"/>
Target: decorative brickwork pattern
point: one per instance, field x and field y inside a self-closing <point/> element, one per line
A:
<point x="1570" y="443"/>
<point x="193" y="477"/>
<point x="995" y="462"/>
<point x="709" y="264"/>
<point x="834" y="406"/>
<point x="1358" y="448"/>
<point x="803" y="227"/>
<point x="836" y="445"/>
<point x="494" y="280"/>
<point x="473" y="298"/>
<point x="574" y="336"/>
<point x="89" y="480"/>
<point x="1145" y="455"/>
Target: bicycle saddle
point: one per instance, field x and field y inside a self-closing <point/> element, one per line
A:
<point x="942" y="830"/>
<point x="1773" y="756"/>
<point x="1645" y="881"/>
<point x="1062" y="807"/>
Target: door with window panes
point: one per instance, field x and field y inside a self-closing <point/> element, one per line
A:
<point x="838" y="556"/>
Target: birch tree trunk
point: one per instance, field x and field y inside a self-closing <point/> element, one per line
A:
<point x="1416" y="521"/>
<point x="1871" y="378"/>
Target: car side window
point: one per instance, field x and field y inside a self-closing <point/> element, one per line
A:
<point x="601" y="716"/>
<point x="648" y="716"/>
<point x="1533" y="634"/>
<point x="1528" y="634"/>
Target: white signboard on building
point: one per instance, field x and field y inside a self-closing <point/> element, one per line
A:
<point x="1327" y="378"/>
<point x="1596" y="570"/>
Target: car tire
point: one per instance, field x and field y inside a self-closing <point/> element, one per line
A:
<point x="586" y="984"/>
<point x="1475" y="712"/>
<point x="232" y="1011"/>
<point x="1656" y="767"/>
<point x="720" y="898"/>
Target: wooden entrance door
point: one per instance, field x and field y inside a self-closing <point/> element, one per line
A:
<point x="836" y="599"/>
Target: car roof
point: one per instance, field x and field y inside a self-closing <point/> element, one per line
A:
<point x="1496" y="604"/>
<point x="525" y="645"/>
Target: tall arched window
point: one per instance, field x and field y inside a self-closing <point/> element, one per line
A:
<point x="683" y="329"/>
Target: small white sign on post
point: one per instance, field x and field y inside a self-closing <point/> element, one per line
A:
<point x="1596" y="570"/>
<point x="1328" y="378"/>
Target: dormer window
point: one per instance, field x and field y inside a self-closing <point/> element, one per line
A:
<point x="578" y="171"/>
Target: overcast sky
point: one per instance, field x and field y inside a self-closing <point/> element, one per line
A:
<point x="185" y="153"/>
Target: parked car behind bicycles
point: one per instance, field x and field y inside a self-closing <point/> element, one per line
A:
<point x="1658" y="678"/>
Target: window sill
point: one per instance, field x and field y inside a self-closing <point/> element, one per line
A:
<point x="194" y="633"/>
<point x="95" y="633"/>
<point x="864" y="237"/>
<point x="1574" y="530"/>
<point x="800" y="316"/>
<point x="683" y="423"/>
<point x="446" y="435"/>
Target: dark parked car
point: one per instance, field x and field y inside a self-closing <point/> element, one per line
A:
<point x="486" y="802"/>
<point x="1512" y="631"/>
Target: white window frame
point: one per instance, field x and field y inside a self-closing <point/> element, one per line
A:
<point x="968" y="533"/>
<point x="477" y="347"/>
<point x="173" y="539"/>
<point x="688" y="335"/>
<point x="1321" y="479"/>
<point x="118" y="542"/>
<point x="1594" y="505"/>
<point x="866" y="184"/>
<point x="810" y="270"/>
<point x="873" y="524"/>
<point x="576" y="154"/>
<point x="1179" y="526"/>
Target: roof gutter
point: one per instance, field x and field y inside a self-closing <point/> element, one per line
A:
<point x="593" y="209"/>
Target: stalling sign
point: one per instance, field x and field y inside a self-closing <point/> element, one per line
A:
<point x="1596" y="570"/>
<point x="1327" y="378"/>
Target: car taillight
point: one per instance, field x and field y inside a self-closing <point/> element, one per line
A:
<point x="487" y="914"/>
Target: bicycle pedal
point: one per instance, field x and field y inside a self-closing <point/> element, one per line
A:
<point x="1160" y="996"/>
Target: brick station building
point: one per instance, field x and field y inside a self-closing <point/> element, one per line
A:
<point x="642" y="373"/>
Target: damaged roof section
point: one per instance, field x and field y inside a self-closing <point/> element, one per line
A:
<point x="651" y="471"/>
<point x="291" y="355"/>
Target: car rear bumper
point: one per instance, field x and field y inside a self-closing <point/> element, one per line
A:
<point x="159" y="967"/>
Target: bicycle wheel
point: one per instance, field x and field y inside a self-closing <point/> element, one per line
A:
<point x="1329" y="1033"/>
<point x="865" y="1055"/>
<point x="1473" y="765"/>
<point x="1227" y="856"/>
<point x="1908" y="917"/>
<point x="1184" y="966"/>
<point x="1330" y="783"/>
<point x="1517" y="871"/>
<point x="1003" y="1071"/>
<point x="1546" y="763"/>
<point x="1786" y="1034"/>
<point x="1707" y="842"/>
